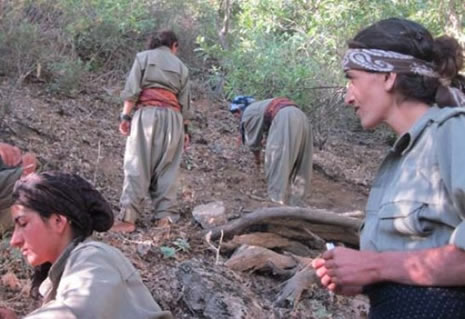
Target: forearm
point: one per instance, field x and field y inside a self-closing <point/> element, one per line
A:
<point x="443" y="266"/>
<point x="128" y="106"/>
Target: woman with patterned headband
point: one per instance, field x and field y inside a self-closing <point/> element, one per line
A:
<point x="411" y="262"/>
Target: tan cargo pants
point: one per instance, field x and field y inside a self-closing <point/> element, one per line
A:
<point x="151" y="163"/>
<point x="288" y="157"/>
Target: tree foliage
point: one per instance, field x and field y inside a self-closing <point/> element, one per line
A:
<point x="260" y="47"/>
<point x="284" y="47"/>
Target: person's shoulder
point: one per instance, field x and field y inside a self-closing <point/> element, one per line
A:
<point x="260" y="104"/>
<point x="91" y="251"/>
<point x="92" y="247"/>
<point x="446" y="113"/>
<point x="145" y="55"/>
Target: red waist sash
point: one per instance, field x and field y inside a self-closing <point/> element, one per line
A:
<point x="158" y="97"/>
<point x="274" y="107"/>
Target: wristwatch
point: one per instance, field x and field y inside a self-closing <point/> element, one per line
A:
<point x="125" y="117"/>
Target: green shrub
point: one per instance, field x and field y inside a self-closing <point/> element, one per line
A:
<point x="67" y="75"/>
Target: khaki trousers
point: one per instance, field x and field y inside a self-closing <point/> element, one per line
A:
<point x="288" y="157"/>
<point x="151" y="162"/>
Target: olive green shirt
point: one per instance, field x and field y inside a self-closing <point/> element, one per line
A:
<point x="288" y="151"/>
<point x="94" y="281"/>
<point x="159" y="68"/>
<point x="8" y="177"/>
<point x="411" y="204"/>
<point x="253" y="124"/>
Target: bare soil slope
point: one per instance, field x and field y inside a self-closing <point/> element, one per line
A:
<point x="80" y="135"/>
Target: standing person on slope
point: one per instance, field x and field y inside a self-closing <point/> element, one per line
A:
<point x="158" y="89"/>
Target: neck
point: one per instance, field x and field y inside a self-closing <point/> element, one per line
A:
<point x="61" y="246"/>
<point x="405" y="114"/>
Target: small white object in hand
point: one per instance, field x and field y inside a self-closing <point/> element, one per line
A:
<point x="329" y="246"/>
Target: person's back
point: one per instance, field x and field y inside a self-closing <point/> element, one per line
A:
<point x="157" y="90"/>
<point x="289" y="146"/>
<point x="159" y="68"/>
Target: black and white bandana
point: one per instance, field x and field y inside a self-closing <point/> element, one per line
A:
<point x="386" y="61"/>
<point x="376" y="60"/>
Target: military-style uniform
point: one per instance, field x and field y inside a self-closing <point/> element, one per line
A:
<point x="155" y="144"/>
<point x="94" y="280"/>
<point x="8" y="177"/>
<point x="411" y="204"/>
<point x="416" y="203"/>
<point x="288" y="151"/>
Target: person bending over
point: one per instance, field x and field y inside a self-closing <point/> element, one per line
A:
<point x="289" y="144"/>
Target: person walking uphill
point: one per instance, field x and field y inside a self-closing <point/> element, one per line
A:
<point x="158" y="88"/>
<point x="411" y="262"/>
<point x="289" y="144"/>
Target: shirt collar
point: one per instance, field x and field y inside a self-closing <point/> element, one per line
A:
<point x="405" y="142"/>
<point x="56" y="271"/>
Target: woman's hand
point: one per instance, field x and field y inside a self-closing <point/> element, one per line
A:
<point x="7" y="314"/>
<point x="345" y="270"/>
<point x="11" y="155"/>
<point x="29" y="163"/>
<point x="125" y="128"/>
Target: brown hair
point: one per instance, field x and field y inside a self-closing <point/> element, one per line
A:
<point x="162" y="38"/>
<point x="408" y="37"/>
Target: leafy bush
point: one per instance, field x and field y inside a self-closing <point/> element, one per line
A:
<point x="68" y="74"/>
<point x="20" y="48"/>
<point x="294" y="48"/>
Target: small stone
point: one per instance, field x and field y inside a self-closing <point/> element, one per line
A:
<point x="144" y="247"/>
<point x="210" y="215"/>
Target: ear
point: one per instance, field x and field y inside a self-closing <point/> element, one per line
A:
<point x="59" y="222"/>
<point x="389" y="81"/>
<point x="174" y="47"/>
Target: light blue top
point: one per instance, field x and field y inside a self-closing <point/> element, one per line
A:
<point x="411" y="204"/>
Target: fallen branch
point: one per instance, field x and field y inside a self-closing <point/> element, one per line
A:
<point x="267" y="240"/>
<point x="213" y="247"/>
<point x="315" y="216"/>
<point x="296" y="286"/>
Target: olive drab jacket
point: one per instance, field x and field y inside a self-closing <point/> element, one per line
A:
<point x="92" y="280"/>
<point x="8" y="177"/>
<point x="159" y="68"/>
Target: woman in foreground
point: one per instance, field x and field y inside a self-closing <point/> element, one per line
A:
<point x="411" y="262"/>
<point x="54" y="214"/>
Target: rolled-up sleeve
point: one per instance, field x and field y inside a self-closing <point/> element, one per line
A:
<point x="451" y="159"/>
<point x="132" y="88"/>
